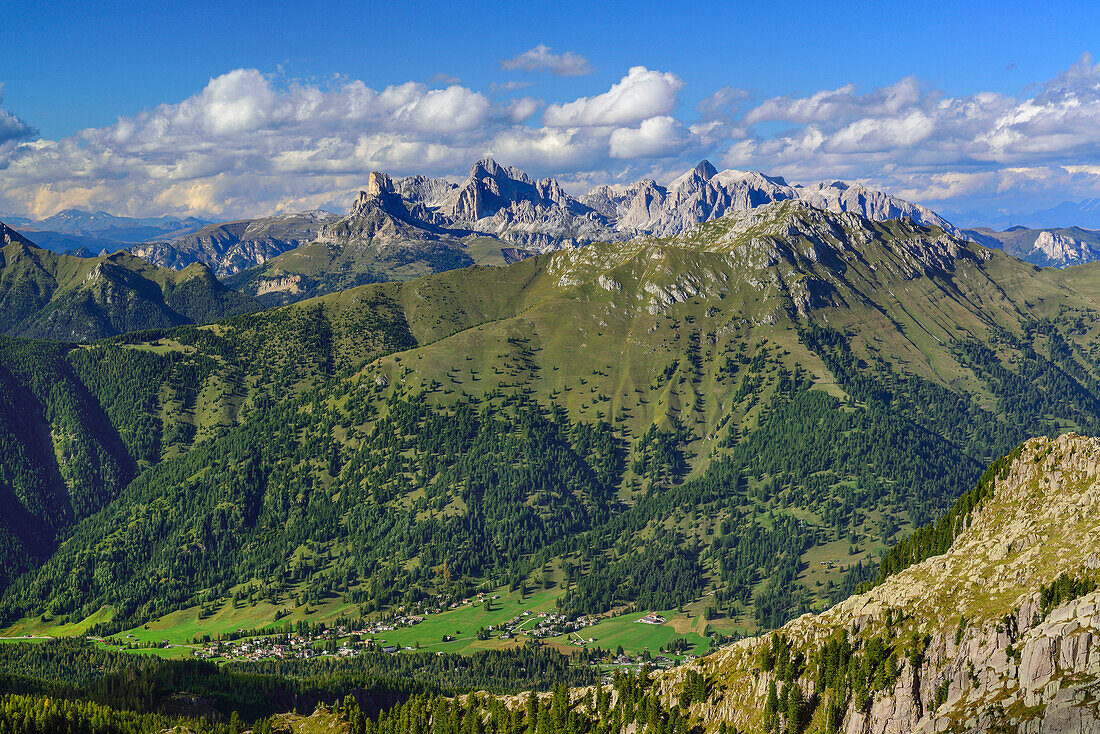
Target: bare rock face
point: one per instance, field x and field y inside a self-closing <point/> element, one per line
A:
<point x="431" y="192"/>
<point x="506" y="203"/>
<point x="1061" y="249"/>
<point x="839" y="196"/>
<point x="528" y="216"/>
<point x="235" y="246"/>
<point x="380" y="217"/>
<point x="699" y="195"/>
<point x="1044" y="247"/>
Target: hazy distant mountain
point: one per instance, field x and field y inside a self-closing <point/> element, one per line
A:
<point x="101" y="225"/>
<point x="74" y="244"/>
<point x="1057" y="247"/>
<point x="1081" y="213"/>
<point x="1085" y="214"/>
<point x="73" y="230"/>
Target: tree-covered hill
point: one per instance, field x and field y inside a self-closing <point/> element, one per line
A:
<point x="46" y="295"/>
<point x="640" y="423"/>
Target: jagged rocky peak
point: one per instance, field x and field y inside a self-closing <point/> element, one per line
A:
<point x="491" y="187"/>
<point x="706" y="169"/>
<point x="431" y="192"/>
<point x="1061" y="248"/>
<point x="380" y="192"/>
<point x="841" y="196"/>
<point x="695" y="177"/>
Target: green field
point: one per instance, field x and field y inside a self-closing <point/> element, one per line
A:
<point x="636" y="637"/>
<point x="462" y="624"/>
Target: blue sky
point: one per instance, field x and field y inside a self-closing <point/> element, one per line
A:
<point x="811" y="91"/>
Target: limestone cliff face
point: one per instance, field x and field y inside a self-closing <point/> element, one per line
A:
<point x="232" y="247"/>
<point x="993" y="661"/>
<point x="537" y="214"/>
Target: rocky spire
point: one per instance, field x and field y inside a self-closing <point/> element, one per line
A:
<point x="380" y="194"/>
<point x="705" y="169"/>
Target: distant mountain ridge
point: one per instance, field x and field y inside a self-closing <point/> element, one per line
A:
<point x="230" y="247"/>
<point x="505" y="202"/>
<point x="1084" y="213"/>
<point x="497" y="214"/>
<point x="402" y="228"/>
<point x="70" y="230"/>
<point x="1048" y="247"/>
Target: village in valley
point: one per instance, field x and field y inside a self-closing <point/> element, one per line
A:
<point x="349" y="638"/>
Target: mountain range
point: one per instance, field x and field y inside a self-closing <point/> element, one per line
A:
<point x="1058" y="247"/>
<point x="411" y="226"/>
<point x="812" y="382"/>
<point x="72" y="230"/>
<point x="1084" y="213"/>
<point x="403" y="228"/>
<point x="230" y="247"/>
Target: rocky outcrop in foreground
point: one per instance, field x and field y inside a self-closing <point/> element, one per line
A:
<point x="980" y="640"/>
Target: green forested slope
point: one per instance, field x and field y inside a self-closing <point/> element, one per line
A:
<point x="643" y="423"/>
<point x="46" y="295"/>
<point x="62" y="459"/>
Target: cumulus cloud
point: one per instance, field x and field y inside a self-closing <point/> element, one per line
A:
<point x="523" y="109"/>
<point x="921" y="142"/>
<point x="11" y="127"/>
<point x="722" y="103"/>
<point x="245" y="144"/>
<point x="655" y="137"/>
<point x="541" y="58"/>
<point x="638" y="95"/>
<point x="838" y="105"/>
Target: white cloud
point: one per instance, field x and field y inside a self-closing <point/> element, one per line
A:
<point x="838" y="105"/>
<point x="446" y="110"/>
<point x="243" y="145"/>
<point x="918" y="141"/>
<point x="541" y="58"/>
<point x="722" y="103"/>
<point x="11" y="127"/>
<point x="523" y="108"/>
<point x="653" y="138"/>
<point x="246" y="144"/>
<point x="638" y="95"/>
<point x="512" y="86"/>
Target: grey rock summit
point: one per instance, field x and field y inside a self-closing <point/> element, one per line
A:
<point x="537" y="215"/>
<point x="235" y="246"/>
<point x="1060" y="247"/>
<point x="522" y="215"/>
